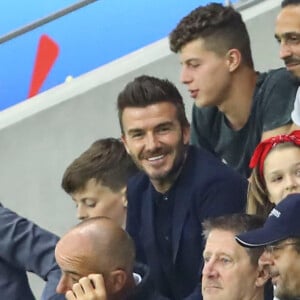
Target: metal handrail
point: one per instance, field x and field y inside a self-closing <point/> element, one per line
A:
<point x="15" y="33"/>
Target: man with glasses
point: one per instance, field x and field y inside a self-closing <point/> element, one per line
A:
<point x="280" y="236"/>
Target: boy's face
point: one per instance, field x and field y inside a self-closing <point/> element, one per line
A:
<point x="96" y="199"/>
<point x="206" y="74"/>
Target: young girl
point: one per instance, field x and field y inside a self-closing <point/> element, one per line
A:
<point x="276" y="172"/>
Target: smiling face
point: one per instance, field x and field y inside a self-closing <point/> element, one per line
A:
<point x="226" y="265"/>
<point x="96" y="199"/>
<point x="205" y="73"/>
<point x="287" y="33"/>
<point x="156" y="141"/>
<point x="282" y="172"/>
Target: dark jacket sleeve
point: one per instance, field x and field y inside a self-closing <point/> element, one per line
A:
<point x="28" y="247"/>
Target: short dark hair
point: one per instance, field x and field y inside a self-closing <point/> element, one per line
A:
<point x="106" y="161"/>
<point x="285" y="3"/>
<point x="236" y="223"/>
<point x="147" y="90"/>
<point x="220" y="26"/>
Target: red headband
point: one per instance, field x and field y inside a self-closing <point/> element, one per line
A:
<point x="264" y="147"/>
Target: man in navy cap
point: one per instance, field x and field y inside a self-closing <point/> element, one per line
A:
<point x="280" y="236"/>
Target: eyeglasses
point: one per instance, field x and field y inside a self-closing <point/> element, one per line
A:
<point x="273" y="248"/>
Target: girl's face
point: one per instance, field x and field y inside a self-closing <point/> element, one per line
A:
<point x="282" y="173"/>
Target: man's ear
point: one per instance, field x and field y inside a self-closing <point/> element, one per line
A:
<point x="233" y="59"/>
<point x="263" y="275"/>
<point x="123" y="139"/>
<point x="186" y="134"/>
<point x="123" y="195"/>
<point x="118" y="279"/>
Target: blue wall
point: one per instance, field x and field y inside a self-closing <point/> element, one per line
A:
<point x="88" y="38"/>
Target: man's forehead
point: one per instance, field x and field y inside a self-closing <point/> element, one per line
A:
<point x="223" y="242"/>
<point x="218" y="237"/>
<point x="152" y="114"/>
<point x="288" y="20"/>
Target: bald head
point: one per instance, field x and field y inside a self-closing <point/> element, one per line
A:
<point x="102" y="245"/>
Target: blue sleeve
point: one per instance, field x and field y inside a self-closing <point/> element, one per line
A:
<point x="28" y="247"/>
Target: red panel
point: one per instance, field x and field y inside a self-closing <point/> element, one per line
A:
<point x="47" y="53"/>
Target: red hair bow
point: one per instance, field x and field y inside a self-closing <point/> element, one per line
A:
<point x="264" y="147"/>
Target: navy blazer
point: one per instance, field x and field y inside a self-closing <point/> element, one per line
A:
<point x="205" y="188"/>
<point x="26" y="247"/>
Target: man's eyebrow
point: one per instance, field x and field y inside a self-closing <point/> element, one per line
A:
<point x="134" y="130"/>
<point x="190" y="60"/>
<point x="276" y="36"/>
<point x="72" y="272"/>
<point x="287" y="34"/>
<point x="167" y="123"/>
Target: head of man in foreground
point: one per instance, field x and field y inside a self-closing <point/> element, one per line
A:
<point x="214" y="51"/>
<point x="96" y="246"/>
<point x="230" y="271"/>
<point x="280" y="235"/>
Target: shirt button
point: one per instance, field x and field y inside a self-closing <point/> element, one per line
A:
<point x="167" y="238"/>
<point x="165" y="197"/>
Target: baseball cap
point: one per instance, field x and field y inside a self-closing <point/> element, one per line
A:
<point x="282" y="223"/>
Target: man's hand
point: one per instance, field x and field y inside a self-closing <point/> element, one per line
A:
<point x="88" y="288"/>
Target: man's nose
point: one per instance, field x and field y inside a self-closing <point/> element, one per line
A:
<point x="266" y="259"/>
<point x="284" y="50"/>
<point x="63" y="285"/>
<point x="152" y="141"/>
<point x="81" y="212"/>
<point x="209" y="269"/>
<point x="185" y="76"/>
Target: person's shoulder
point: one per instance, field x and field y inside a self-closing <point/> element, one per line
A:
<point x="138" y="177"/>
<point x="207" y="173"/>
<point x="138" y="182"/>
<point x="201" y="155"/>
<point x="207" y="121"/>
<point x="206" y="162"/>
<point x="276" y="91"/>
<point x="277" y="75"/>
<point x="208" y="112"/>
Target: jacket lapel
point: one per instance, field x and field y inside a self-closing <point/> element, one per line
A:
<point x="147" y="231"/>
<point x="183" y="198"/>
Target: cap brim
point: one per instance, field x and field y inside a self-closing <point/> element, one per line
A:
<point x="258" y="238"/>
